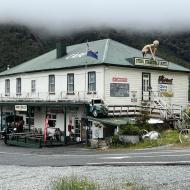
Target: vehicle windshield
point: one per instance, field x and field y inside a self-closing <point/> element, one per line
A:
<point x="98" y="102"/>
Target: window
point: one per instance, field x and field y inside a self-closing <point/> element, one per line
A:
<point x="70" y="83"/>
<point x="52" y="120"/>
<point x="51" y="84"/>
<point x="33" y="86"/>
<point x="91" y="81"/>
<point x="7" y="87"/>
<point x="18" y="86"/>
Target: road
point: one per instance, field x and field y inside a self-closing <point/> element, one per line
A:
<point x="79" y="156"/>
<point x="32" y="169"/>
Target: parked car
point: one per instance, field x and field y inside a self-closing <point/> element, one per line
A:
<point x="98" y="108"/>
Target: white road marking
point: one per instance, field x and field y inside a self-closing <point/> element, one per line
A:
<point x="146" y="162"/>
<point x="147" y="156"/>
<point x="121" y="157"/>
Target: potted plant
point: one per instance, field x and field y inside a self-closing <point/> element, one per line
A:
<point x="129" y="133"/>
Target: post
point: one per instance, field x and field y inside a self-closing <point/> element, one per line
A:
<point x="1" y="118"/>
<point x="29" y="117"/>
<point x="85" y="90"/>
<point x="14" y="115"/>
<point x="65" y="117"/>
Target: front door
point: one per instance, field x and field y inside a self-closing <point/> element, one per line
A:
<point x="146" y="86"/>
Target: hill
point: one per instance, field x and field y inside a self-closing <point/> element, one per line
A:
<point x="19" y="44"/>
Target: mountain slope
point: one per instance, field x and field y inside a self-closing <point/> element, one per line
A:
<point x="19" y="44"/>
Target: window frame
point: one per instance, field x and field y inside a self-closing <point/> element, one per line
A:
<point x="18" y="86"/>
<point x="91" y="83"/>
<point x="51" y="85"/>
<point x="7" y="92"/>
<point x="68" y="83"/>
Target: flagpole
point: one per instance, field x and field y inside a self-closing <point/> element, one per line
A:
<point x="85" y="81"/>
<point x="87" y="48"/>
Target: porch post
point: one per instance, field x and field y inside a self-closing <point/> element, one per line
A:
<point x="65" y="117"/>
<point x="14" y="115"/>
<point x="29" y="117"/>
<point x="1" y="118"/>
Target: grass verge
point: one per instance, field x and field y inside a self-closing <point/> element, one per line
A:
<point x="168" y="137"/>
<point x="76" y="183"/>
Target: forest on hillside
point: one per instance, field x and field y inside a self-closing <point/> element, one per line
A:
<point x="19" y="44"/>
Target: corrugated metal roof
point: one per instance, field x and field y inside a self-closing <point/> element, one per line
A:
<point x="114" y="121"/>
<point x="109" y="52"/>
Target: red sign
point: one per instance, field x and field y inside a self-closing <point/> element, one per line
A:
<point x="119" y="79"/>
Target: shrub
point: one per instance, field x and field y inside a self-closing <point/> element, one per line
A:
<point x="114" y="140"/>
<point x="129" y="129"/>
<point x="75" y="183"/>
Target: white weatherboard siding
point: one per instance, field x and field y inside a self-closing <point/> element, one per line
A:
<point x="134" y="77"/>
<point x="60" y="83"/>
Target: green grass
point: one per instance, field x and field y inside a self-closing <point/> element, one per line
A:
<point x="167" y="137"/>
<point x="76" y="183"/>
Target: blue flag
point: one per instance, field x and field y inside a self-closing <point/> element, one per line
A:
<point x="91" y="53"/>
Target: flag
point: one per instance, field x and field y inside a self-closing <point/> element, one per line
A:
<point x="91" y="53"/>
<point x="45" y="129"/>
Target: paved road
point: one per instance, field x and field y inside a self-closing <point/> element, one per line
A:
<point x="79" y="156"/>
<point x="19" y="167"/>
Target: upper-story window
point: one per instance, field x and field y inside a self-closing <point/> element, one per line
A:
<point x="51" y="84"/>
<point x="7" y="87"/>
<point x="33" y="86"/>
<point x="70" y="83"/>
<point x="18" y="86"/>
<point x="92" y="81"/>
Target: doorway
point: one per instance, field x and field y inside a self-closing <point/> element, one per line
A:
<point x="146" y="86"/>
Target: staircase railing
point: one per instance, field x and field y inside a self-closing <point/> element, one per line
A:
<point x="167" y="110"/>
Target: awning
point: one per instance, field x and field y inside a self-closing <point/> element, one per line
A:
<point x="114" y="121"/>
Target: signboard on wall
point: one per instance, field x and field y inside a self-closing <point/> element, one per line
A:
<point x="164" y="80"/>
<point x="165" y="86"/>
<point x="133" y="96"/>
<point x="20" y="107"/>
<point x="119" y="79"/>
<point x="119" y="90"/>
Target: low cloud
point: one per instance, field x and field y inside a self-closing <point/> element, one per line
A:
<point x="66" y="16"/>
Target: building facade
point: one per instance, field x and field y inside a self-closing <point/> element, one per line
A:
<point x="61" y="83"/>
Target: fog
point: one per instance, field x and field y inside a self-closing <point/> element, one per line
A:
<point x="58" y="16"/>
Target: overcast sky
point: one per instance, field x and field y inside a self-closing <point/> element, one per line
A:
<point x="71" y="15"/>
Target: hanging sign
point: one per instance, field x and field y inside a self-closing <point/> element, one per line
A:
<point x="20" y="107"/>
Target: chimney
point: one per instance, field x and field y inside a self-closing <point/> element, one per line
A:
<point x="61" y="49"/>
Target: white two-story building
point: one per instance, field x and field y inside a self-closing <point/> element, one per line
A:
<point x="61" y="82"/>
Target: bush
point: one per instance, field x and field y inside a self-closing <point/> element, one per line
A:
<point x="75" y="183"/>
<point x="129" y="129"/>
<point x="113" y="140"/>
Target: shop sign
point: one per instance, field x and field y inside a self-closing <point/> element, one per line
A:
<point x="166" y="90"/>
<point x="164" y="80"/>
<point x="20" y="107"/>
<point x="119" y="79"/>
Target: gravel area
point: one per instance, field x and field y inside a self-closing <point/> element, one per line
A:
<point x="41" y="178"/>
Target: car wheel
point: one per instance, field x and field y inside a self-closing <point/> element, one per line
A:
<point x="95" y="113"/>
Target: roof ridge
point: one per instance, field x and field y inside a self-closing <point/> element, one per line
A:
<point x="106" y="50"/>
